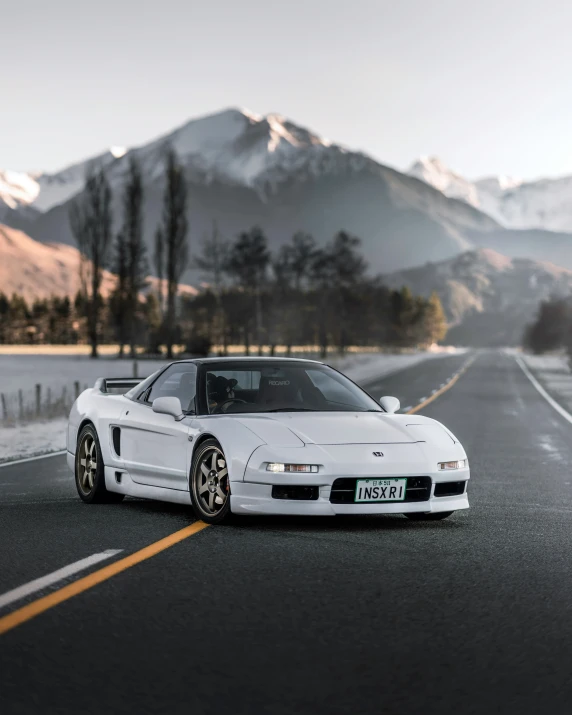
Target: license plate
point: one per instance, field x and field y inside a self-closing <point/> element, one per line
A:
<point x="380" y="490"/>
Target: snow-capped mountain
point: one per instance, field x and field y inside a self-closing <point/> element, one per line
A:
<point x="244" y="170"/>
<point x="543" y="204"/>
<point x="239" y="148"/>
<point x="17" y="191"/>
<point x="56" y="188"/>
<point x="41" y="191"/>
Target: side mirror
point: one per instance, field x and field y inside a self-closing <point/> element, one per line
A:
<point x="389" y="404"/>
<point x="168" y="406"/>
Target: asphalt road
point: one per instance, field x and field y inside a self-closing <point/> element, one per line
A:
<point x="288" y="615"/>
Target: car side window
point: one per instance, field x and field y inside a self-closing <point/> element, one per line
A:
<point x="178" y="380"/>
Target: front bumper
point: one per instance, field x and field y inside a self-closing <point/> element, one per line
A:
<point x="248" y="498"/>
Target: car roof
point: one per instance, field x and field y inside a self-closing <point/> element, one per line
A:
<point x="247" y="358"/>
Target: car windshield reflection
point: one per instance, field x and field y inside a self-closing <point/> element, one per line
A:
<point x="239" y="389"/>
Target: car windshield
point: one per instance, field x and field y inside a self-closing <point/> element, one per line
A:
<point x="283" y="387"/>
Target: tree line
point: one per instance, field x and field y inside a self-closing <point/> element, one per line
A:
<point x="302" y="294"/>
<point x="551" y="328"/>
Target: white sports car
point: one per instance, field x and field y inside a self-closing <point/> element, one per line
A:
<point x="262" y="436"/>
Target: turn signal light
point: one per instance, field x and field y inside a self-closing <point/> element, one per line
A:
<point x="304" y="468"/>
<point x="459" y="464"/>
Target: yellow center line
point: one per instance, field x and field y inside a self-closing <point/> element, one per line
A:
<point x="31" y="610"/>
<point x="443" y="389"/>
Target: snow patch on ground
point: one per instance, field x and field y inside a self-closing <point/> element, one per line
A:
<point x="32" y="439"/>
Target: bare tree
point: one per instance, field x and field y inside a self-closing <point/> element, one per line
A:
<point x="90" y="220"/>
<point x="212" y="261"/>
<point x="135" y="251"/>
<point x="172" y="233"/>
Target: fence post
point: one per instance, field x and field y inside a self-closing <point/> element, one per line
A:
<point x="135" y="369"/>
<point x="76" y="388"/>
<point x="38" y="399"/>
<point x="4" y="408"/>
<point x="21" y="405"/>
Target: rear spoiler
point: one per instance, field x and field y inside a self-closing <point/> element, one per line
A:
<point x="116" y="385"/>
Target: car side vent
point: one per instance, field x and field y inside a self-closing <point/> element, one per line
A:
<point x="116" y="432"/>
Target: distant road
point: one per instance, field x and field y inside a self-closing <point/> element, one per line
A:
<point x="288" y="615"/>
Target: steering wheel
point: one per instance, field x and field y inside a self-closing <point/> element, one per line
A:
<point x="222" y="407"/>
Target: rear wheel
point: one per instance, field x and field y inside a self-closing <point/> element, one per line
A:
<point x="90" y="470"/>
<point x="209" y="483"/>
<point x="430" y="516"/>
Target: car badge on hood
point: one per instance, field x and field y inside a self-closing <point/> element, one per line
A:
<point x="378" y="454"/>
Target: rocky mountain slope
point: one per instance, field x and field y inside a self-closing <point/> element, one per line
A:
<point x="488" y="297"/>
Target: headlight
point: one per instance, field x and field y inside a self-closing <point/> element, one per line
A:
<point x="459" y="464"/>
<point x="305" y="468"/>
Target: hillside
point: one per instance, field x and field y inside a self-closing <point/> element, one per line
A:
<point x="488" y="297"/>
<point x="38" y="270"/>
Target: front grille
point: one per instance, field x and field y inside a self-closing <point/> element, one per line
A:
<point x="343" y="490"/>
<point x="449" y="489"/>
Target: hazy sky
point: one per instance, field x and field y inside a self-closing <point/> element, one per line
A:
<point x="484" y="84"/>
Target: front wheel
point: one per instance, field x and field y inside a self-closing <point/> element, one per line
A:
<point x="209" y="483"/>
<point x="421" y="516"/>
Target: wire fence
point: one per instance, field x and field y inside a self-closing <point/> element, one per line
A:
<point x="38" y="403"/>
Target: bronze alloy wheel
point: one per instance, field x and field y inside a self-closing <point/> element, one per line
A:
<point x="90" y="470"/>
<point x="210" y="486"/>
<point x="87" y="467"/>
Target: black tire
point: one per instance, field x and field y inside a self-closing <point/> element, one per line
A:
<point x="89" y="480"/>
<point x="209" y="483"/>
<point x="421" y="516"/>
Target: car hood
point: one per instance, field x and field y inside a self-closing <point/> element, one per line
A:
<point x="294" y="428"/>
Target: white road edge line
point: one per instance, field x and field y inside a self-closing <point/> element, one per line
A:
<point x="40" y="583"/>
<point x="551" y="401"/>
<point x="32" y="459"/>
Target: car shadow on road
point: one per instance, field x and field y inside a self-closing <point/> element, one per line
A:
<point x="382" y="522"/>
<point x="362" y="523"/>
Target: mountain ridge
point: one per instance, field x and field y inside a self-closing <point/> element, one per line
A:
<point x="245" y="169"/>
<point x="544" y="203"/>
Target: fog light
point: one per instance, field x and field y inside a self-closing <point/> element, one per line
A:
<point x="304" y="468"/>
<point x="459" y="464"/>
